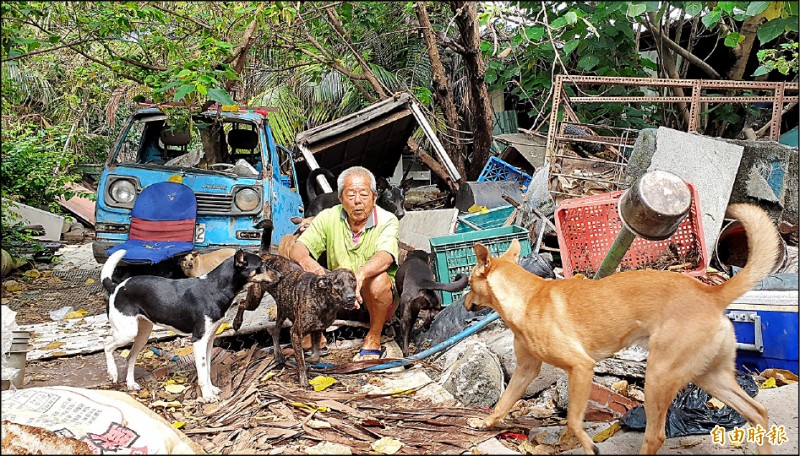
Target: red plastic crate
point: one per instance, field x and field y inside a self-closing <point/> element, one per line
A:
<point x="588" y="226"/>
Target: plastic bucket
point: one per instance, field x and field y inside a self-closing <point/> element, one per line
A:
<point x="732" y="248"/>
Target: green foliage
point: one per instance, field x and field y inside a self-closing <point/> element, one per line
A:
<point x="784" y="59"/>
<point x="31" y="155"/>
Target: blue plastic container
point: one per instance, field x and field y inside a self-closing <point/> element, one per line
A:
<point x="765" y="323"/>
<point x="492" y="219"/>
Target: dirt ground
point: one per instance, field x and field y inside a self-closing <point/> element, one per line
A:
<point x="265" y="411"/>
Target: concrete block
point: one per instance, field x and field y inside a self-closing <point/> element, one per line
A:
<point x="417" y="227"/>
<point x="711" y="165"/>
<point x="472" y="374"/>
<point x="768" y="177"/>
<point x="53" y="224"/>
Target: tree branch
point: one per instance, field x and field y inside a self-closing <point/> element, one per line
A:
<point x="99" y="62"/>
<point x="186" y="18"/>
<point x="370" y="76"/>
<point x="43" y="51"/>
<point x="693" y="59"/>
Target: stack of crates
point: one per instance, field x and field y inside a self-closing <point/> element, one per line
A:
<point x="455" y="253"/>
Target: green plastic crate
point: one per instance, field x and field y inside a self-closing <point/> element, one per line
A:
<point x="455" y="252"/>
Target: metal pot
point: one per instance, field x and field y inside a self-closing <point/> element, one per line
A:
<point x="655" y="205"/>
<point x="732" y="249"/>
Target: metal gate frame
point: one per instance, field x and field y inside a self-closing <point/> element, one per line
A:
<point x="556" y="137"/>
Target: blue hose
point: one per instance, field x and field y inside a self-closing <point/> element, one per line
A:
<point x="490" y="317"/>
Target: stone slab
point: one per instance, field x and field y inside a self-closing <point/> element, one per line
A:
<point x="53" y="224"/>
<point x="417" y="227"/>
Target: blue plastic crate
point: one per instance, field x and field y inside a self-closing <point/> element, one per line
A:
<point x="498" y="170"/>
<point x="455" y="252"/>
<point x="492" y="219"/>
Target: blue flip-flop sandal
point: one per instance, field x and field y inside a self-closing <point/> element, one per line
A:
<point x="380" y="353"/>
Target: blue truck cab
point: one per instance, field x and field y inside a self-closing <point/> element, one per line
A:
<point x="228" y="158"/>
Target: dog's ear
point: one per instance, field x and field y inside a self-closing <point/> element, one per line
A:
<point x="266" y="223"/>
<point x="406" y="185"/>
<point x="323" y="281"/>
<point x="483" y="257"/>
<point x="239" y="259"/>
<point x="383" y="184"/>
<point x="512" y="254"/>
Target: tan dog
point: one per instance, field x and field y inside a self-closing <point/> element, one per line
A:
<point x="196" y="264"/>
<point x="288" y="240"/>
<point x="574" y="323"/>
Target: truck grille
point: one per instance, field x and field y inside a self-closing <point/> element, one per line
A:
<point x="208" y="203"/>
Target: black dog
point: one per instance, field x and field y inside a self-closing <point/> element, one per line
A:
<point x="390" y="197"/>
<point x="416" y="285"/>
<point x="318" y="203"/>
<point x="311" y="301"/>
<point x="190" y="306"/>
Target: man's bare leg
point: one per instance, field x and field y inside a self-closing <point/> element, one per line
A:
<point x="377" y="294"/>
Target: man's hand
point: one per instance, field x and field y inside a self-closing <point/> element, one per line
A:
<point x="299" y="253"/>
<point x="359" y="273"/>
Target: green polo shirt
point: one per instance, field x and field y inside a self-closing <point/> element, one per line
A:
<point x="329" y="232"/>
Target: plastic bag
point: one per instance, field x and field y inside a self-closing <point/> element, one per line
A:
<point x="689" y="414"/>
<point x="107" y="422"/>
<point x="454" y="318"/>
<point x="59" y="314"/>
<point x="9" y="325"/>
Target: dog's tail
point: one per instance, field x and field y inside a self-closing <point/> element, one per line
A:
<point x="461" y="281"/>
<point x="763" y="248"/>
<point x="312" y="179"/>
<point x="108" y="270"/>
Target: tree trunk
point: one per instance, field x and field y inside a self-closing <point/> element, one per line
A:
<point x="442" y="93"/>
<point x="479" y="103"/>
<point x="667" y="59"/>
<point x="743" y="49"/>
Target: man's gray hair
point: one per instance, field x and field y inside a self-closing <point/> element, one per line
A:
<point x="353" y="170"/>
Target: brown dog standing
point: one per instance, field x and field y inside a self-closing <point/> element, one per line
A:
<point x="574" y="323"/>
<point x="196" y="264"/>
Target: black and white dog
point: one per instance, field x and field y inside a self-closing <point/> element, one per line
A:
<point x="390" y="197"/>
<point x="193" y="306"/>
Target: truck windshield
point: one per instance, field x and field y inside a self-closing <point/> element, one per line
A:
<point x="230" y="146"/>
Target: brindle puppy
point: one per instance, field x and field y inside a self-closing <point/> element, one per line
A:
<point x="311" y="301"/>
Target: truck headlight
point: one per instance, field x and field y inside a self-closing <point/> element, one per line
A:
<point x="246" y="199"/>
<point x="122" y="191"/>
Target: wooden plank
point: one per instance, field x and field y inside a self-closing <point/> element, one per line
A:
<point x="83" y="208"/>
<point x="76" y="337"/>
<point x="351" y="121"/>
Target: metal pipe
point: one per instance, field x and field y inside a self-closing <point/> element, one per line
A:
<point x="312" y="165"/>
<point x="615" y="254"/>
